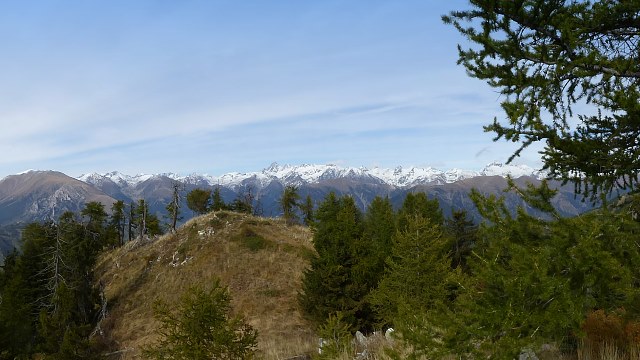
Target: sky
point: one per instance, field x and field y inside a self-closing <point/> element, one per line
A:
<point x="218" y="86"/>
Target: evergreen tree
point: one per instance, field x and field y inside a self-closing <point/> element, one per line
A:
<point x="288" y="203"/>
<point x="132" y="220"/>
<point x="462" y="231"/>
<point x="48" y="299"/>
<point x="95" y="216"/>
<point x="217" y="201"/>
<point x="371" y="251"/>
<point x="144" y="221"/>
<point x="24" y="292"/>
<point x="117" y="221"/>
<point x="307" y="210"/>
<point x="244" y="201"/>
<point x="142" y="214"/>
<point x="336" y="337"/>
<point x="328" y="286"/>
<point x="37" y="239"/>
<point x="418" y="269"/>
<point x="548" y="58"/>
<point x="533" y="281"/>
<point x="202" y="328"/>
<point x="414" y="294"/>
<point x="199" y="201"/>
<point x="68" y="307"/>
<point x="378" y="231"/>
<point x="17" y="330"/>
<point x="419" y="205"/>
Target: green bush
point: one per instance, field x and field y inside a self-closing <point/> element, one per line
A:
<point x="335" y="335"/>
<point x="201" y="328"/>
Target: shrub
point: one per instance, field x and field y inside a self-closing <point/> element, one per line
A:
<point x="201" y="328"/>
<point x="335" y="335"/>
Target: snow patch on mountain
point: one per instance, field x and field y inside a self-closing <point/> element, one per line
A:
<point x="403" y="177"/>
<point x="311" y="174"/>
<point x="515" y="171"/>
<point x="116" y="177"/>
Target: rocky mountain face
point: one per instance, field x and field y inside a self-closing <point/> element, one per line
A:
<point x="45" y="195"/>
<point x="40" y="196"/>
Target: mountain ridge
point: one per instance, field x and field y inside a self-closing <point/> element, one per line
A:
<point x="45" y="195"/>
<point x="313" y="173"/>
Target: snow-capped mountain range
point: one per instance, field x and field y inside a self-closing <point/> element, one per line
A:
<point x="44" y="195"/>
<point x="312" y="174"/>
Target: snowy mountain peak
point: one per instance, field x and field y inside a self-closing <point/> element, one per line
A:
<point x="310" y="174"/>
<point x="116" y="177"/>
<point x="516" y="171"/>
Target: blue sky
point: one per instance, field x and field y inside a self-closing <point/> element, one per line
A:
<point x="216" y="86"/>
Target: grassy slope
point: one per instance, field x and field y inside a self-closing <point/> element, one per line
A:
<point x="260" y="260"/>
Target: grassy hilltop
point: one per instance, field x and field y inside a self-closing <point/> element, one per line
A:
<point x="261" y="261"/>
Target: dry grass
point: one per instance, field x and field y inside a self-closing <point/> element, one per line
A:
<point x="608" y="351"/>
<point x="260" y="260"/>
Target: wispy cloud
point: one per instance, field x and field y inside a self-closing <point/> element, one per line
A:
<point x="219" y="86"/>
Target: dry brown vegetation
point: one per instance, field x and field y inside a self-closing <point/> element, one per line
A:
<point x="261" y="261"/>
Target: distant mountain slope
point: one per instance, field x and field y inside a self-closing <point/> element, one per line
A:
<point x="455" y="196"/>
<point x="40" y="196"/>
<point x="315" y="180"/>
<point x="44" y="195"/>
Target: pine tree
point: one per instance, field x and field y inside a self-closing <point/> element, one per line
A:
<point x="547" y="58"/>
<point x="419" y="205"/>
<point x="68" y="309"/>
<point x="142" y="214"/>
<point x="328" y="285"/>
<point x="463" y="233"/>
<point x="199" y="201"/>
<point x="201" y="328"/>
<point x="371" y="251"/>
<point x="17" y="330"/>
<point x="24" y="292"/>
<point x="95" y="232"/>
<point x="244" y="201"/>
<point x="534" y="281"/>
<point x="217" y="201"/>
<point x="307" y="210"/>
<point x="132" y="220"/>
<point x="288" y="203"/>
<point x="146" y="223"/>
<point x="117" y="220"/>
<point x="48" y="298"/>
<point x="95" y="216"/>
<point x="415" y="295"/>
<point x="418" y="271"/>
